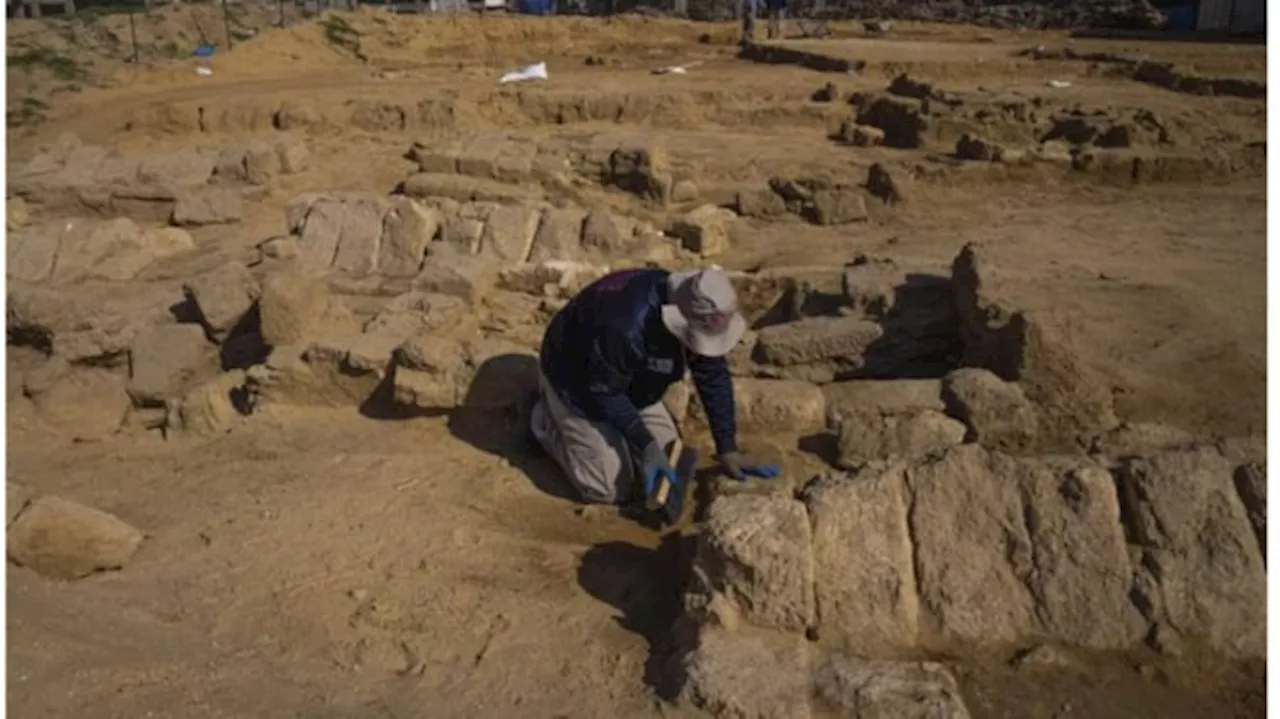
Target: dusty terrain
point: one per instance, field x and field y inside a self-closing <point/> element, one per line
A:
<point x="324" y="556"/>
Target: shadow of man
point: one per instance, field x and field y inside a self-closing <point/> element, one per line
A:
<point x="494" y="418"/>
<point x="647" y="587"/>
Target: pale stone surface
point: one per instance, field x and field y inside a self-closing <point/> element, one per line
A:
<point x="755" y="551"/>
<point x="862" y="551"/>
<point x="749" y="676"/>
<point x="66" y="540"/>
<point x="1202" y="573"/>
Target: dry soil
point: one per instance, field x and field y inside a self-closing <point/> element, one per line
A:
<point x="320" y="563"/>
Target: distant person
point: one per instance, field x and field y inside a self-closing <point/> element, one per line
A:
<point x="777" y="14"/>
<point x="749" y="9"/>
<point x="607" y="359"/>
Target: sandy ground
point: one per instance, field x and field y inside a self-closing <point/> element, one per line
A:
<point x="317" y="563"/>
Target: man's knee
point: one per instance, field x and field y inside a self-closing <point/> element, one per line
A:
<point x="658" y="420"/>
<point x="601" y="474"/>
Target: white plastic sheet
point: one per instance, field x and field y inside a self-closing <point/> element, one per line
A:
<point x="537" y="71"/>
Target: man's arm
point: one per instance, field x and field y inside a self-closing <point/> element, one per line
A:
<point x="612" y="363"/>
<point x="715" y="389"/>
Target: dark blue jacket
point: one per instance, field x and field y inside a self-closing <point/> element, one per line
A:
<point x="608" y="353"/>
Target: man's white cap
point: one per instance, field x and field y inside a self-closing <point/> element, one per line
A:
<point x="703" y="312"/>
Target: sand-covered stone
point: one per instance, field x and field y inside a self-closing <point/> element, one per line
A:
<point x="210" y="409"/>
<point x="62" y="539"/>
<point x="996" y="413"/>
<point x="864" y="580"/>
<point x="755" y="552"/>
<point x="903" y="690"/>
<point x="223" y="297"/>
<point x="164" y="361"/>
<point x="749" y="676"/>
<point x="1202" y="574"/>
<point x="868" y="436"/>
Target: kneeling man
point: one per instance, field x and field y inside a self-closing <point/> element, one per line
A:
<point x="607" y="359"/>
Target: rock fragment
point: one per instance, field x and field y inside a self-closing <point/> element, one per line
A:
<point x="1251" y="484"/>
<point x="407" y="230"/>
<point x="816" y="340"/>
<point x="87" y="404"/>
<point x="737" y="676"/>
<point x="971" y="550"/>
<point x="343" y="233"/>
<point x="429" y="372"/>
<point x="892" y="188"/>
<point x="188" y="167"/>
<point x="775" y="406"/>
<point x="1138" y="438"/>
<point x="881" y="397"/>
<point x="62" y="539"/>
<point x="972" y="147"/>
<point x="862" y="135"/>
<point x="901" y="119"/>
<point x="223" y="297"/>
<point x="837" y="207"/>
<point x="509" y="232"/>
<point x="755" y="552"/>
<point x="704" y="230"/>
<point x="296" y="308"/>
<point x="760" y="202"/>
<point x="16" y="213"/>
<point x="1201" y="571"/>
<point x="164" y="360"/>
<point x="210" y="409"/>
<point x="865" y="583"/>
<point x="642" y="169"/>
<point x="559" y="235"/>
<point x="606" y="233"/>
<point x="876" y="688"/>
<point x="997" y="413"/>
<point x="1008" y="549"/>
<point x="467" y="277"/>
<point x="211" y="206"/>
<point x="114" y="250"/>
<point x="908" y="435"/>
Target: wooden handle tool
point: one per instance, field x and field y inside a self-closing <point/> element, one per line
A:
<point x="663" y="493"/>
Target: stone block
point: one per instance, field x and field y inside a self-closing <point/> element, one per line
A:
<point x="704" y="230"/>
<point x="223" y="297"/>
<point x="1202" y="574"/>
<point x="509" y="232"/>
<point x="755" y="552"/>
<point x="862" y="552"/>
<point x="407" y="230"/>
<point x="902" y="690"/>
<point x="62" y="539"/>
<point x="997" y="413"/>
<point x="868" y="436"/>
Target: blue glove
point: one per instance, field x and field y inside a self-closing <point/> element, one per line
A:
<point x="739" y="466"/>
<point x="653" y="467"/>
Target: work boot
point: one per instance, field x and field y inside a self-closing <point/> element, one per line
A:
<point x="530" y="422"/>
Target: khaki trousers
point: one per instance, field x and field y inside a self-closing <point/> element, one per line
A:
<point x="594" y="455"/>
